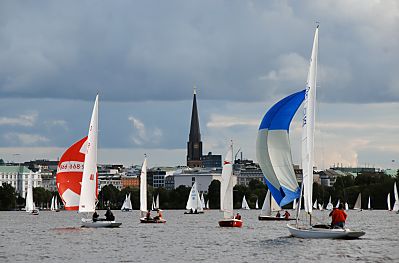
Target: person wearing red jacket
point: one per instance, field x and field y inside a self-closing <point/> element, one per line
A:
<point x="338" y="217"/>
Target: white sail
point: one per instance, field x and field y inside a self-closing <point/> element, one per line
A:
<point x="266" y="209"/>
<point x="129" y="203"/>
<point x="274" y="206"/>
<point x="143" y="188"/>
<point x="329" y="205"/>
<point x="157" y="202"/>
<point x="207" y="204"/>
<point x="125" y="205"/>
<point x="358" y="204"/>
<point x="244" y="204"/>
<point x="30" y="205"/>
<point x="396" y="204"/>
<point x="56" y="203"/>
<point x="389" y="201"/>
<point x="88" y="192"/>
<point x="202" y="201"/>
<point x="226" y="186"/>
<point x="320" y="207"/>
<point x="315" y="204"/>
<point x="338" y="203"/>
<point x="308" y="126"/>
<point x="194" y="201"/>
<point x="153" y="206"/>
<point x="369" y="204"/>
<point x="52" y="204"/>
<point x="294" y="204"/>
<point x="256" y="204"/>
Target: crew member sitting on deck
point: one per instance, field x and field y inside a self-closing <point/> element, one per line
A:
<point x="109" y="216"/>
<point x="148" y="215"/>
<point x="95" y="216"/>
<point x="286" y="215"/>
<point x="159" y="215"/>
<point x="338" y="217"/>
<point x="278" y="214"/>
<point x="238" y="216"/>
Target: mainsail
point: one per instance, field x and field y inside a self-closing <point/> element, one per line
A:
<point x="396" y="204"/>
<point x="30" y="205"/>
<point x="244" y="204"/>
<point x="69" y="174"/>
<point x="389" y="201"/>
<point x="226" y="186"/>
<point x="194" y="201"/>
<point x="88" y="192"/>
<point x="358" y="204"/>
<point x="143" y="188"/>
<point x="273" y="149"/>
<point x="266" y="209"/>
<point x="329" y="205"/>
<point x="203" y="201"/>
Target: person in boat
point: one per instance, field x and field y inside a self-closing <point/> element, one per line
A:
<point x="238" y="216"/>
<point x="338" y="217"/>
<point x="109" y="216"/>
<point x="287" y="215"/>
<point x="278" y="214"/>
<point x="195" y="211"/>
<point x="95" y="216"/>
<point x="159" y="215"/>
<point x="191" y="210"/>
<point x="148" y="215"/>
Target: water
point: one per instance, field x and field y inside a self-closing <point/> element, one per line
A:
<point x="57" y="237"/>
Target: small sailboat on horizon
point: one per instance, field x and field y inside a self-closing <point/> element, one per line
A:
<point x="270" y="205"/>
<point x="358" y="203"/>
<point x="54" y="204"/>
<point x="127" y="204"/>
<point x="30" y="204"/>
<point x="194" y="204"/>
<point x="244" y="204"/>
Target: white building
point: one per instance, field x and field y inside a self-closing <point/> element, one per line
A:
<point x="17" y="177"/>
<point x="203" y="177"/>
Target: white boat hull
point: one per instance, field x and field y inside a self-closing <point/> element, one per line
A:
<point x="311" y="232"/>
<point x="97" y="224"/>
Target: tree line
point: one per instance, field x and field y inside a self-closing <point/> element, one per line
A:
<point x="345" y="189"/>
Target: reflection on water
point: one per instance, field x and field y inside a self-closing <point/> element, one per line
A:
<point x="58" y="237"/>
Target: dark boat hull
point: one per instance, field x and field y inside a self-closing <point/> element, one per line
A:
<point x="152" y="221"/>
<point x="273" y="218"/>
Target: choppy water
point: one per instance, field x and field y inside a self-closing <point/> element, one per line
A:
<point x="57" y="237"/>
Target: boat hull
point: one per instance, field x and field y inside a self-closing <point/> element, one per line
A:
<point x="273" y="218"/>
<point x="152" y="221"/>
<point x="188" y="213"/>
<point x="99" y="224"/>
<point x="230" y="223"/>
<point x="322" y="233"/>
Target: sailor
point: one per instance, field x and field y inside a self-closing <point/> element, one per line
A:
<point x="148" y="215"/>
<point x="191" y="210"/>
<point x="286" y="215"/>
<point x="278" y="214"/>
<point x="238" y="216"/>
<point x="159" y="215"/>
<point x="338" y="217"/>
<point x="108" y="215"/>
<point x="95" y="216"/>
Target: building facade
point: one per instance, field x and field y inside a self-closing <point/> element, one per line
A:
<point x="211" y="160"/>
<point x="17" y="177"/>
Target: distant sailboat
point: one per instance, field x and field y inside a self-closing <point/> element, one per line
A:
<point x="389" y="201"/>
<point x="294" y="204"/>
<point x="346" y="206"/>
<point x="270" y="205"/>
<point x="143" y="198"/>
<point x="396" y="204"/>
<point x="369" y="204"/>
<point x="30" y="204"/>
<point x="329" y="205"/>
<point x="153" y="206"/>
<point x="244" y="204"/>
<point x="226" y="193"/>
<point x="203" y="201"/>
<point x="127" y="204"/>
<point x="339" y="201"/>
<point x="320" y="207"/>
<point x="256" y="204"/>
<point x="54" y="204"/>
<point x="194" y="204"/>
<point x="358" y="204"/>
<point x="207" y="204"/>
<point x="89" y="188"/>
<point x="315" y="204"/>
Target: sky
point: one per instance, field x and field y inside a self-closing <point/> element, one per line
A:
<point x="145" y="57"/>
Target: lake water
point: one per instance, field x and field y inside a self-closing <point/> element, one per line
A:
<point x="57" y="237"/>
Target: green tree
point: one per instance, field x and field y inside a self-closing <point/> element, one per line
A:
<point x="7" y="197"/>
<point x="214" y="194"/>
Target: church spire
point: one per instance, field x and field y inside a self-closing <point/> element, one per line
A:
<point x="194" y="144"/>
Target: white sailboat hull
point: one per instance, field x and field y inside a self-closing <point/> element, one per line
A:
<point x="321" y="233"/>
<point x="91" y="224"/>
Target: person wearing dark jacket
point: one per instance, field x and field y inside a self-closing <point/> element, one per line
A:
<point x="109" y="216"/>
<point x="95" y="216"/>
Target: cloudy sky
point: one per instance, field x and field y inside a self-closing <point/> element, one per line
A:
<point x="144" y="57"/>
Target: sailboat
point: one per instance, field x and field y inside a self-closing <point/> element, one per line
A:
<point x="30" y="204"/>
<point x="207" y="204"/>
<point x="194" y="204"/>
<point x="127" y="204"/>
<point x="294" y="204"/>
<point x="153" y="206"/>
<point x="346" y="206"/>
<point x="369" y="204"/>
<point x="320" y="207"/>
<point x="389" y="201"/>
<point x="143" y="198"/>
<point x="269" y="206"/>
<point x="339" y="201"/>
<point x="274" y="154"/>
<point x="203" y="201"/>
<point x="358" y="204"/>
<point x="256" y="204"/>
<point x="244" y="204"/>
<point x="54" y="204"/>
<point x="396" y="204"/>
<point x="329" y="205"/>
<point x="315" y="204"/>
<point x="226" y="193"/>
<point x="89" y="188"/>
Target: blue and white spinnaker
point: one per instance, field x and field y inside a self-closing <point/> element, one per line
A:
<point x="273" y="149"/>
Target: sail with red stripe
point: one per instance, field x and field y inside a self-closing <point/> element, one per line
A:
<point x="69" y="174"/>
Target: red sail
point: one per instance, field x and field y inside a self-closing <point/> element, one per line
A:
<point x="69" y="174"/>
